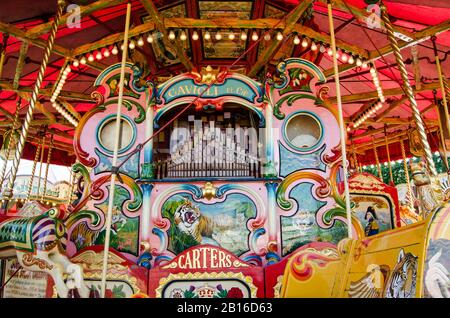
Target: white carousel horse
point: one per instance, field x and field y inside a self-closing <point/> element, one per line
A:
<point x="39" y="243"/>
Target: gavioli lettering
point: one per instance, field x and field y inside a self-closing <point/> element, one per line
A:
<point x="192" y="89"/>
<point x="230" y="87"/>
<point x="205" y="257"/>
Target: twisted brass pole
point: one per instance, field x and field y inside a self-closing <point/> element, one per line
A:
<point x="72" y="185"/>
<point x="409" y="193"/>
<point x="33" y="170"/>
<point x="408" y="90"/>
<point x="8" y="150"/>
<point x="442" y="83"/>
<point x="49" y="156"/>
<point x="40" y="166"/>
<point x="391" y="177"/>
<point x="3" y="51"/>
<point x="34" y="96"/>
<point x="380" y="175"/>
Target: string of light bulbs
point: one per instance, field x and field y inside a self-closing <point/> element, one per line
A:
<point x="374" y="107"/>
<point x="219" y="35"/>
<point x="60" y="108"/>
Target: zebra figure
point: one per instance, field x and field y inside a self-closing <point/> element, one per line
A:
<point x="39" y="243"/>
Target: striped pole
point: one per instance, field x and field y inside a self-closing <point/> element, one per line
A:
<point x="408" y="91"/>
<point x="115" y="154"/>
<point x="34" y="97"/>
<point x="341" y="123"/>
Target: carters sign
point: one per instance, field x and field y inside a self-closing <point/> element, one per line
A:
<point x="187" y="87"/>
<point x="205" y="257"/>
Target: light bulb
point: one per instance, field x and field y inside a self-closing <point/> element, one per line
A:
<point x="330" y="52"/>
<point x="98" y="55"/>
<point x="296" y="40"/>
<point x="351" y="60"/>
<point x="254" y="36"/>
<point x="218" y="36"/>
<point x="231" y="36"/>
<point x="83" y="60"/>
<point x="183" y="36"/>
<point x="372" y="71"/>
<point x="322" y="49"/>
<point x="344" y="57"/>
<point x="313" y="46"/>
<point x="132" y="45"/>
<point x="207" y="35"/>
<point x="279" y="36"/>
<point x="243" y="35"/>
<point x="121" y="47"/>
<point x="364" y="64"/>
<point x="195" y="36"/>
<point x="337" y="54"/>
<point x="267" y="36"/>
<point x="358" y="62"/>
<point x="106" y="53"/>
<point x="140" y="42"/>
<point x="115" y="50"/>
<point x="150" y="38"/>
<point x="91" y="58"/>
<point x="76" y="63"/>
<point x="172" y="35"/>
<point x="304" y="42"/>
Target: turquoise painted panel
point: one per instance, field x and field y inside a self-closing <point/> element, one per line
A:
<point x="130" y="168"/>
<point x="291" y="161"/>
<point x="302" y="228"/>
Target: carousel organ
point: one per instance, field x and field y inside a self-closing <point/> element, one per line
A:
<point x="210" y="144"/>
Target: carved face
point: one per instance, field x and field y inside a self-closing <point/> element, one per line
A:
<point x="187" y="214"/>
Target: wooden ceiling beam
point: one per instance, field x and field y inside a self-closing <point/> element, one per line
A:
<point x="393" y="138"/>
<point x="20" y="64"/>
<point x="159" y="24"/>
<point x="84" y="11"/>
<point x="291" y="21"/>
<point x="417" y="37"/>
<point x="363" y="97"/>
<point x="393" y="105"/>
<point x="375" y="131"/>
<point x="57" y="49"/>
<point x="7" y="86"/>
<point x="228" y="23"/>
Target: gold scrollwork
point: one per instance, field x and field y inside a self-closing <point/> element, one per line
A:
<point x="29" y="259"/>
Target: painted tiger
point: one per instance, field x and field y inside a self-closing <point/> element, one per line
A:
<point x="189" y="220"/>
<point x="402" y="280"/>
<point x="39" y="243"/>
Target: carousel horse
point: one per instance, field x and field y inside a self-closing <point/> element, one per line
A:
<point x="39" y="243"/>
<point x="428" y="197"/>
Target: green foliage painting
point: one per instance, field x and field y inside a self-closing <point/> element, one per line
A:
<point x="124" y="230"/>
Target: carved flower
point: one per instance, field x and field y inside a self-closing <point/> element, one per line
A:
<point x="235" y="293"/>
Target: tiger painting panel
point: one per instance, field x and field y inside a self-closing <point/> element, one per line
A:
<point x="221" y="224"/>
